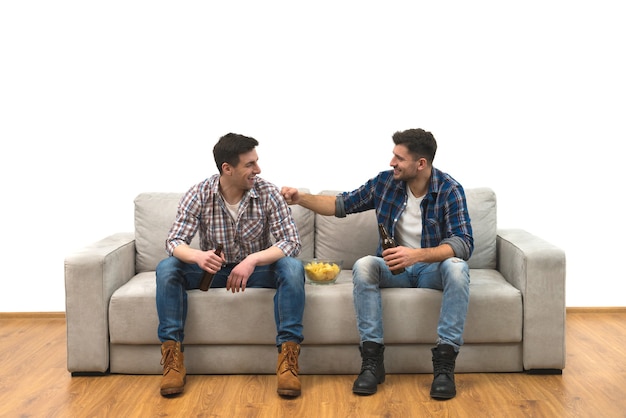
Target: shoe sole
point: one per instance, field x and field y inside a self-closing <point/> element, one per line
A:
<point x="439" y="396"/>
<point x="287" y="392"/>
<point x="364" y="392"/>
<point x="171" y="391"/>
<point x="174" y="391"/>
<point x="369" y="391"/>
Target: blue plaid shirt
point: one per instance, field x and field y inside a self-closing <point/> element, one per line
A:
<point x="445" y="219"/>
<point x="263" y="214"/>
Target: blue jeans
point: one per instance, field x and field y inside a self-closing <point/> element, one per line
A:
<point x="174" y="278"/>
<point x="370" y="274"/>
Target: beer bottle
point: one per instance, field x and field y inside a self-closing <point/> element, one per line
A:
<point x="388" y="242"/>
<point x="208" y="277"/>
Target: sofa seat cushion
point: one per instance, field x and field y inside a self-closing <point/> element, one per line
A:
<point x="410" y="315"/>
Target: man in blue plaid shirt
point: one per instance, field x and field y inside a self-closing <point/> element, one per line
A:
<point x="425" y="210"/>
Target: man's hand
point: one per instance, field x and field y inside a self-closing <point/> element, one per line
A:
<point x="209" y="261"/>
<point x="400" y="256"/>
<point x="239" y="276"/>
<point x="324" y="205"/>
<point x="291" y="195"/>
<point x="397" y="257"/>
<point x="206" y="260"/>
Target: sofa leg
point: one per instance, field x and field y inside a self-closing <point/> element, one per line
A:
<point x="79" y="374"/>
<point x="544" y="371"/>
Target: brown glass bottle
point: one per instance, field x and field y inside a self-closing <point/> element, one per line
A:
<point x="388" y="242"/>
<point x="208" y="277"/>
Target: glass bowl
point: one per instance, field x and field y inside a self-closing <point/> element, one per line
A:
<point x="322" y="271"/>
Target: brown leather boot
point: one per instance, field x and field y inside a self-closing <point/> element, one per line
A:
<point x="287" y="369"/>
<point x="174" y="372"/>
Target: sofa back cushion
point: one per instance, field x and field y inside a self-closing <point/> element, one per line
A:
<point x="481" y="204"/>
<point x="356" y="235"/>
<point x="155" y="213"/>
<point x="346" y="238"/>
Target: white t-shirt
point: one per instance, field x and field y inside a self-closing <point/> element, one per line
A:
<point x="233" y="210"/>
<point x="408" y="230"/>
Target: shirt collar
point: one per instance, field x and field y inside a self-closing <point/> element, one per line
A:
<point x="249" y="194"/>
<point x="435" y="183"/>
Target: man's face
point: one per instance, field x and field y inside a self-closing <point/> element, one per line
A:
<point x="405" y="166"/>
<point x="244" y="174"/>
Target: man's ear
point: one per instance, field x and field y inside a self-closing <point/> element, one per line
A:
<point x="227" y="169"/>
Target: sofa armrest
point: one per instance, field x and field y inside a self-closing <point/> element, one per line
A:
<point x="92" y="274"/>
<point x="537" y="269"/>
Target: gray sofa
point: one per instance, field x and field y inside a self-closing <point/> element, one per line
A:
<point x="515" y="322"/>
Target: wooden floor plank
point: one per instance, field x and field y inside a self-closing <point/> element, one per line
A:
<point x="34" y="382"/>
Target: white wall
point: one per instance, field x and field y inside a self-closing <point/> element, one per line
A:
<point x="100" y="101"/>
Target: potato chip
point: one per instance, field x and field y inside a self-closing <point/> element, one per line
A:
<point x="322" y="271"/>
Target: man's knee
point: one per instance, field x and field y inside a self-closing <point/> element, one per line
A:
<point x="291" y="268"/>
<point x="366" y="269"/>
<point x="167" y="267"/>
<point x="455" y="269"/>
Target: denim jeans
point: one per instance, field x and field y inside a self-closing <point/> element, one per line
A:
<point x="370" y="274"/>
<point x="174" y="278"/>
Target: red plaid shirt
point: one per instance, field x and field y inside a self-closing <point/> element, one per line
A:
<point x="263" y="219"/>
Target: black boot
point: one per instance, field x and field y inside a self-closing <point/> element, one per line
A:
<point x="444" y="358"/>
<point x="372" y="369"/>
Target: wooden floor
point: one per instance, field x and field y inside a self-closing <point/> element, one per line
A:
<point x="34" y="382"/>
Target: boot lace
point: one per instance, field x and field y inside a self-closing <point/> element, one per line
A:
<point x="369" y="363"/>
<point x="291" y="360"/>
<point x="170" y="360"/>
<point x="443" y="366"/>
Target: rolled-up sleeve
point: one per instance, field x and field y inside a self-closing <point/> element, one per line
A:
<point x="459" y="233"/>
<point x="283" y="227"/>
<point x="186" y="223"/>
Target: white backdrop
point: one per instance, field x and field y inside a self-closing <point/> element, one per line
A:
<point x="100" y="101"/>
